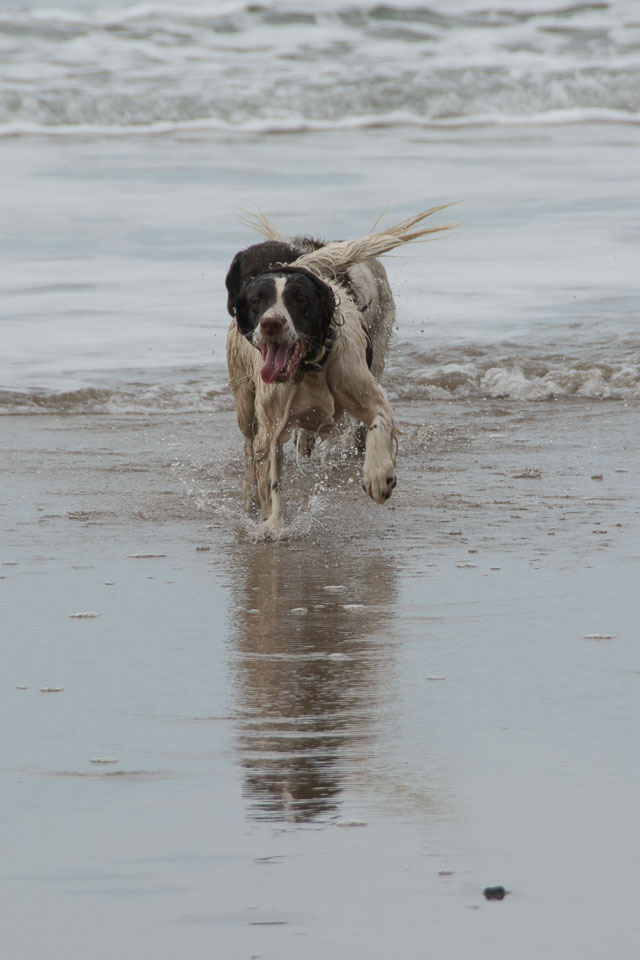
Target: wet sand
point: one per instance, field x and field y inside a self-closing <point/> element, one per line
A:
<point x="330" y="745"/>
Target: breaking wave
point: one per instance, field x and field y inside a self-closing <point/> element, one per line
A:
<point x="272" y="67"/>
<point x="514" y="376"/>
<point x="412" y="376"/>
<point x="121" y="400"/>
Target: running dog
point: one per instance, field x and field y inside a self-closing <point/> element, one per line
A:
<point x="310" y="329"/>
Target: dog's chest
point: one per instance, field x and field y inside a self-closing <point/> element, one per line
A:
<point x="313" y="407"/>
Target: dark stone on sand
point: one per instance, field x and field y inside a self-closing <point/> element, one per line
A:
<point x="495" y="893"/>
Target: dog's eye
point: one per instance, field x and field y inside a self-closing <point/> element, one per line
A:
<point x="301" y="299"/>
<point x="255" y="301"/>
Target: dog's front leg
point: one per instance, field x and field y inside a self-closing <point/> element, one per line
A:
<point x="268" y="465"/>
<point x="249" y="475"/>
<point x="274" y="520"/>
<point x="379" y="475"/>
<point x="363" y="399"/>
<point x="241" y="364"/>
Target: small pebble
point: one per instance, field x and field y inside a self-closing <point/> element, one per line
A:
<point x="104" y="760"/>
<point x="599" y="636"/>
<point x="299" y="611"/>
<point x="495" y="893"/>
<point x="83" y="616"/>
<point x="435" y="677"/>
<point x="51" y="689"/>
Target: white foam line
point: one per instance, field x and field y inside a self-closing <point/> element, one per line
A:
<point x="206" y="11"/>
<point x="198" y="13"/>
<point x="300" y="125"/>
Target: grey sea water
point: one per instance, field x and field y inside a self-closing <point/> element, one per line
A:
<point x="131" y="137"/>
<point x="329" y="745"/>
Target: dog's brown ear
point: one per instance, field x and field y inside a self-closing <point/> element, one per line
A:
<point x="326" y="303"/>
<point x="241" y="312"/>
<point x="253" y="261"/>
<point x="233" y="283"/>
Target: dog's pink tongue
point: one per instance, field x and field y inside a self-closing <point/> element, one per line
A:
<point x="274" y="362"/>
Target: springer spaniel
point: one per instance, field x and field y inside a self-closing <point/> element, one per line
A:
<point x="310" y="329"/>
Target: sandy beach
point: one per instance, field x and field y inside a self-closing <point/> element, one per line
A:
<point x="333" y="743"/>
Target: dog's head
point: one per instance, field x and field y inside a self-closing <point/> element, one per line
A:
<point x="286" y="313"/>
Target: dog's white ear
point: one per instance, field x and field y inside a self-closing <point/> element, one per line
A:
<point x="330" y="259"/>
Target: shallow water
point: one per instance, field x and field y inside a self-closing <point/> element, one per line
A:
<point x="332" y="743"/>
<point x="116" y="253"/>
<point x="127" y="180"/>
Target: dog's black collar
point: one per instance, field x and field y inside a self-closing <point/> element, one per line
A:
<point x="310" y="366"/>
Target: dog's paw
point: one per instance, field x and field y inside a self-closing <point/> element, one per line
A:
<point x="379" y="482"/>
<point x="272" y="528"/>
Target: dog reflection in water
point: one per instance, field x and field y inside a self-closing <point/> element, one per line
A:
<point x="308" y="684"/>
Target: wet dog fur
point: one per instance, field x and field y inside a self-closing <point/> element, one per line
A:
<point x="301" y="350"/>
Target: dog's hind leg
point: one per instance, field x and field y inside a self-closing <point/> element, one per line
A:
<point x="306" y="443"/>
<point x="360" y="438"/>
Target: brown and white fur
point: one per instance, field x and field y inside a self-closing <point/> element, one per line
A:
<point x="284" y="374"/>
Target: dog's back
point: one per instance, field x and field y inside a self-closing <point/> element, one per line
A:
<point x="372" y="295"/>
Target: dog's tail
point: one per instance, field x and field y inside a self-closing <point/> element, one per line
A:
<point x="329" y="260"/>
<point x="333" y="257"/>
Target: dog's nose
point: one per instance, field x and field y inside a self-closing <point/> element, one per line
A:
<point x="272" y="325"/>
